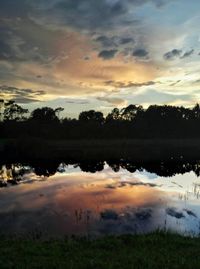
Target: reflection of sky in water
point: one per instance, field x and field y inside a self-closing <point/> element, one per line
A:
<point x="75" y="202"/>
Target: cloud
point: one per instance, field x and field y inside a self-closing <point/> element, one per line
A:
<point x="107" y="41"/>
<point x="177" y="53"/>
<point x="173" y="54"/>
<point x="126" y="40"/>
<point x="120" y="84"/>
<point x="88" y="14"/>
<point x="107" y="54"/>
<point x="140" y="53"/>
<point x="77" y="101"/>
<point x="58" y="45"/>
<point x="131" y="184"/>
<point x="187" y="54"/>
<point x="21" y="96"/>
<point x="152" y="96"/>
<point x="19" y="45"/>
<point x="112" y="100"/>
<point x="114" y="41"/>
<point x="17" y="8"/>
<point x="175" y="83"/>
<point x="10" y="45"/>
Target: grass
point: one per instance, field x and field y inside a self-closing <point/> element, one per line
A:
<point x="156" y="250"/>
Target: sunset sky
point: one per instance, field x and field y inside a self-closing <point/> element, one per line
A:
<point x="99" y="54"/>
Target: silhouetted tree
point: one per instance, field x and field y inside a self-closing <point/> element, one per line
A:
<point x="58" y="110"/>
<point x="114" y="115"/>
<point x="131" y="122"/>
<point x="196" y="111"/>
<point x="91" y="116"/>
<point x="13" y="111"/>
<point x="1" y="109"/>
<point x="44" y="114"/>
<point x="130" y="112"/>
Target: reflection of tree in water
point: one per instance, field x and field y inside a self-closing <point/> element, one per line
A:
<point x="164" y="169"/>
<point x="114" y="165"/>
<point x="45" y="169"/>
<point x="170" y="169"/>
<point x="131" y="167"/>
<point x="14" y="173"/>
<point x="92" y="167"/>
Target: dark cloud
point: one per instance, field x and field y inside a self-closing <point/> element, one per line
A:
<point x="126" y="40"/>
<point x="14" y="9"/>
<point x="9" y="44"/>
<point x="83" y="14"/>
<point x="30" y="29"/>
<point x="86" y="14"/>
<point x="140" y="53"/>
<point x="107" y="54"/>
<point x="177" y="53"/>
<point x="113" y="41"/>
<point x="120" y="84"/>
<point x="173" y="54"/>
<point x="24" y="22"/>
<point x="21" y="96"/>
<point x="107" y="41"/>
<point x="187" y="54"/>
<point x="24" y="40"/>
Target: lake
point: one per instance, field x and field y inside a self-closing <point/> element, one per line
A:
<point x="96" y="199"/>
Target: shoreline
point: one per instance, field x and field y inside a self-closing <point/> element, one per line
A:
<point x="147" y="150"/>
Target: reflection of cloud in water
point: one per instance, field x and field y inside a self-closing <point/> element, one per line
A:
<point x="127" y="183"/>
<point x="146" y="175"/>
<point x="129" y="220"/>
<point x="190" y="213"/>
<point x="75" y="202"/>
<point x="173" y="212"/>
<point x="53" y="205"/>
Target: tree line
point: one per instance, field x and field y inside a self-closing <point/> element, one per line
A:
<point x="133" y="121"/>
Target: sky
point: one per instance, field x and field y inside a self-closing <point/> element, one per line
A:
<point x="90" y="54"/>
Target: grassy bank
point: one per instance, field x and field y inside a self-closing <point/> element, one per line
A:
<point x="156" y="250"/>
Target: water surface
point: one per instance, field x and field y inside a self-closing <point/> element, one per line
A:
<point x="109" y="201"/>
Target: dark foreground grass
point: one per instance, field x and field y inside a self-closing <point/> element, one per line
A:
<point x="156" y="250"/>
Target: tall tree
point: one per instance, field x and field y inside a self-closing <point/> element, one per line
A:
<point x="114" y="115"/>
<point x="130" y="112"/>
<point x="91" y="116"/>
<point x="13" y="111"/>
<point x="44" y="114"/>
